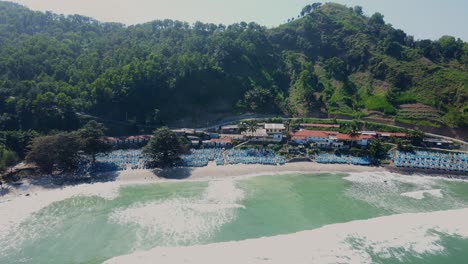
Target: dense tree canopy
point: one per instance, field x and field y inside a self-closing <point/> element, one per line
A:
<point x="165" y="147"/>
<point x="57" y="151"/>
<point x="55" y="69"/>
<point x="92" y="139"/>
<point x="7" y="158"/>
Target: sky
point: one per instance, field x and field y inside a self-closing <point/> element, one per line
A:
<point x="424" y="19"/>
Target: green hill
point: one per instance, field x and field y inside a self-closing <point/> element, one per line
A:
<point x="332" y="60"/>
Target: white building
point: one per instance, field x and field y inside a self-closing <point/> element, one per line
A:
<point x="275" y="128"/>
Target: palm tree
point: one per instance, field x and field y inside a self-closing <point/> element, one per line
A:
<point x="251" y="126"/>
<point x="243" y="127"/>
<point x="248" y="126"/>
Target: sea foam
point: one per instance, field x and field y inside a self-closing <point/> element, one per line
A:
<point x="182" y="220"/>
<point x="420" y="194"/>
<point x="352" y="242"/>
<point x="390" y="191"/>
<point x="15" y="210"/>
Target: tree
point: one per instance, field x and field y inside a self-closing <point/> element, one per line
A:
<point x="393" y="49"/>
<point x="301" y="93"/>
<point x="450" y="47"/>
<point x="377" y="151"/>
<point x="59" y="151"/>
<point x="416" y="137"/>
<point x="7" y="158"/>
<point x="248" y="126"/>
<point x="316" y="5"/>
<point x="260" y="99"/>
<point x="91" y="139"/>
<point x="377" y="19"/>
<point x="336" y="68"/>
<point x="358" y="10"/>
<point x="165" y="147"/>
<point x="306" y="10"/>
<point x="252" y="126"/>
<point x="243" y="127"/>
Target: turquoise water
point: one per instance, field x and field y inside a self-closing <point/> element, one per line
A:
<point x="95" y="229"/>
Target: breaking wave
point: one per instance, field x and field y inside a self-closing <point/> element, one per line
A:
<point x="396" y="193"/>
<point x="352" y="242"/>
<point x="179" y="221"/>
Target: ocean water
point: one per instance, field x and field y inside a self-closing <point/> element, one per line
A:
<point x="295" y="218"/>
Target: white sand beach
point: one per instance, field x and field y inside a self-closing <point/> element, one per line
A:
<point x="22" y="201"/>
<point x="213" y="172"/>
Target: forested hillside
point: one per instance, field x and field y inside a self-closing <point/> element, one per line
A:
<point x="330" y="60"/>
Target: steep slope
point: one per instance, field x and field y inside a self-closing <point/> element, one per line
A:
<point x="331" y="61"/>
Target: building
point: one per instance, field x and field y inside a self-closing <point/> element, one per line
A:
<point x="391" y="134"/>
<point x="130" y="140"/>
<point x="218" y="143"/>
<point x="213" y="135"/>
<point x="231" y="129"/>
<point x="261" y="135"/>
<point x="232" y="136"/>
<point x="275" y="128"/>
<point x="329" y="139"/>
<point x="438" y="143"/>
<point x="319" y="126"/>
<point x="184" y="131"/>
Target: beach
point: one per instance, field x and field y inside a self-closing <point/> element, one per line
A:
<point x="213" y="172"/>
<point x="210" y="172"/>
<point x="192" y="206"/>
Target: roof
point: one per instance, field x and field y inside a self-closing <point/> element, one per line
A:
<point x="390" y="134"/>
<point x="230" y="127"/>
<point x="327" y="134"/>
<point x="320" y="125"/>
<point x="231" y="136"/>
<point x="223" y="140"/>
<point x="116" y="139"/>
<point x="260" y="132"/>
<point x="436" y="140"/>
<point x="310" y="133"/>
<point x="373" y="133"/>
<point x="341" y="136"/>
<point x="184" y="130"/>
<point x="274" y="126"/>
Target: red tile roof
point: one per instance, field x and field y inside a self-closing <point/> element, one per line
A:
<point x="321" y="125"/>
<point x="302" y="134"/>
<point x="389" y="134"/>
<point x="341" y="136"/>
<point x="225" y="140"/>
<point x="310" y="133"/>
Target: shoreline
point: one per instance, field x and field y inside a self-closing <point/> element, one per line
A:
<point x="30" y="197"/>
<point x="212" y="172"/>
<point x="30" y="187"/>
<point x="33" y="186"/>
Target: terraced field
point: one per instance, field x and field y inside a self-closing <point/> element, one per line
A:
<point x="419" y="114"/>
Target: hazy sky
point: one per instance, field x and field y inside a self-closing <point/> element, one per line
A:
<point x="421" y="18"/>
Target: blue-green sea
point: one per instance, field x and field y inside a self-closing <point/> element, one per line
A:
<point x="357" y="218"/>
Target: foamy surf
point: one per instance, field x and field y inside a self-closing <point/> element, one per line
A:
<point x="420" y="194"/>
<point x="16" y="210"/>
<point x="417" y="234"/>
<point x="390" y="191"/>
<point x="182" y="220"/>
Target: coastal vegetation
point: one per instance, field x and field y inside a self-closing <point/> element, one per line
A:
<point x="64" y="151"/>
<point x="165" y="147"/>
<point x="58" y="70"/>
<point x="7" y="158"/>
<point x="62" y="76"/>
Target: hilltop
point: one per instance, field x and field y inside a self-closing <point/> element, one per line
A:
<point x="332" y="61"/>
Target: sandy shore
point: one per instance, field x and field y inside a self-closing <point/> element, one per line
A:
<point x="33" y="187"/>
<point x="213" y="172"/>
<point x="18" y="202"/>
